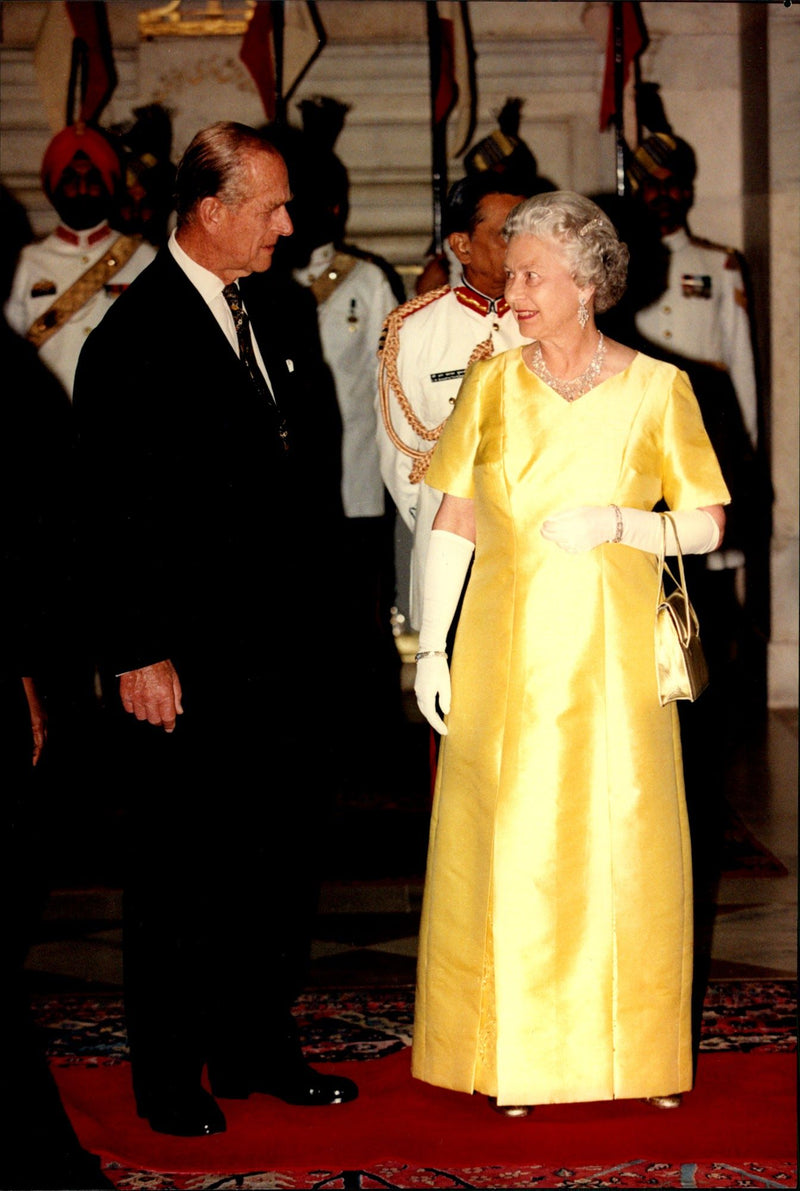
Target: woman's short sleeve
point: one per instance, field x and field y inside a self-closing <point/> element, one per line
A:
<point x="452" y="463"/>
<point x="691" y="475"/>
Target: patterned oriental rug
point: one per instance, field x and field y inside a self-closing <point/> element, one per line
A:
<point x="736" y="1129"/>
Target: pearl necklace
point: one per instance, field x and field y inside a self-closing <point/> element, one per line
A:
<point x="570" y="390"/>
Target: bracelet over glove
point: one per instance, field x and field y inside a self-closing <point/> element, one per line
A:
<point x="581" y="529"/>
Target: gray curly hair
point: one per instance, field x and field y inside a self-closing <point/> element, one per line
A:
<point x="595" y="254"/>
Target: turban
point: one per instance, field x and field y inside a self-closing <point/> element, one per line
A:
<point x="77" y="138"/>
<point x="660" y="156"/>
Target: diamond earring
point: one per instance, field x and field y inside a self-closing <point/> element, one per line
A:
<point x="583" y="313"/>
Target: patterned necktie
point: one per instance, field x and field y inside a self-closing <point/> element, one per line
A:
<point x="247" y="356"/>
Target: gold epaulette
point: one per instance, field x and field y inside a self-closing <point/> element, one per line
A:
<point x="699" y="242"/>
<point x="394" y="320"/>
<point x="420" y="301"/>
<point x="331" y="278"/>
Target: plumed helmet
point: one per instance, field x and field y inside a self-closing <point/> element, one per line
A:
<point x="662" y="155"/>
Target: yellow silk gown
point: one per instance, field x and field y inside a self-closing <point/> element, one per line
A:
<point x="556" y="939"/>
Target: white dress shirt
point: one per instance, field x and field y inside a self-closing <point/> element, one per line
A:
<point x="210" y="288"/>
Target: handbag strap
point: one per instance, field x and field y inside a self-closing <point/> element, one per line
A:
<point x="663" y="566"/>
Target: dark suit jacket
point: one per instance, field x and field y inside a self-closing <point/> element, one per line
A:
<point x="36" y="443"/>
<point x="208" y="541"/>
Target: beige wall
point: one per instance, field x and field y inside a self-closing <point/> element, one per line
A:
<point x="784" y="327"/>
<point x="376" y="61"/>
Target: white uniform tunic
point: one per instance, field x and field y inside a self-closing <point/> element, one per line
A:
<point x="350" y="321"/>
<point x="703" y="314"/>
<point x="48" y="268"/>
<point x="436" y="343"/>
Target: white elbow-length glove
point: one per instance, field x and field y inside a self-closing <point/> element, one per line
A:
<point x="580" y="529"/>
<point x="445" y="570"/>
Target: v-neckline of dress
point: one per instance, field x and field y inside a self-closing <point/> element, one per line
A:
<point x="588" y="392"/>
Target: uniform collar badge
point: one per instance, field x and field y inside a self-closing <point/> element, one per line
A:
<point x="473" y="299"/>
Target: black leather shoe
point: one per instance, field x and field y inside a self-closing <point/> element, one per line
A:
<point x="194" y="1115"/>
<point x="300" y="1084"/>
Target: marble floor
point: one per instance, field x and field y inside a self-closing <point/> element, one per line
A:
<point x="755" y="919"/>
<point x="366" y="932"/>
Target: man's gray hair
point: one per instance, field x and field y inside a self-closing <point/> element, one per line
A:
<point x="216" y="163"/>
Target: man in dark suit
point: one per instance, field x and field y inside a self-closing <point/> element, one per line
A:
<point x="209" y="425"/>
<point x="40" y="1147"/>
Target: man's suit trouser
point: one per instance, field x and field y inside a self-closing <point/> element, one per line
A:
<point x="221" y="885"/>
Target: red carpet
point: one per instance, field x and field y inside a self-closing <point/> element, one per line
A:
<point x="743" y="1108"/>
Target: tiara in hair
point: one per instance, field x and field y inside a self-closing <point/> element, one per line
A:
<point x="587" y="227"/>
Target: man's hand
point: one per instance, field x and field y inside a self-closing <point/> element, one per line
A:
<point x="153" y="694"/>
<point x="38" y="718"/>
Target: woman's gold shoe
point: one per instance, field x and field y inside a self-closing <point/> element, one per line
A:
<point x="510" y="1110"/>
<point x="673" y="1101"/>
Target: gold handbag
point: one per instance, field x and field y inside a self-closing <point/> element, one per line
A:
<point x="681" y="667"/>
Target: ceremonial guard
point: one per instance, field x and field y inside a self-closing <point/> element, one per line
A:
<point x="703" y="311"/>
<point x="66" y="283"/>
<point x="700" y="322"/>
<point x="428" y="344"/>
<point x="353" y="299"/>
<point x="354" y="292"/>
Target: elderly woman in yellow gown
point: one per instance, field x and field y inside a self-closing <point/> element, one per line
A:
<point x="556" y="940"/>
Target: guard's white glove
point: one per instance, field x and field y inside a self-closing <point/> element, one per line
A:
<point x="445" y="570"/>
<point x="581" y="529"/>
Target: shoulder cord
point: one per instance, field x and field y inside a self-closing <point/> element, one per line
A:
<point x="73" y="299"/>
<point x="389" y="382"/>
